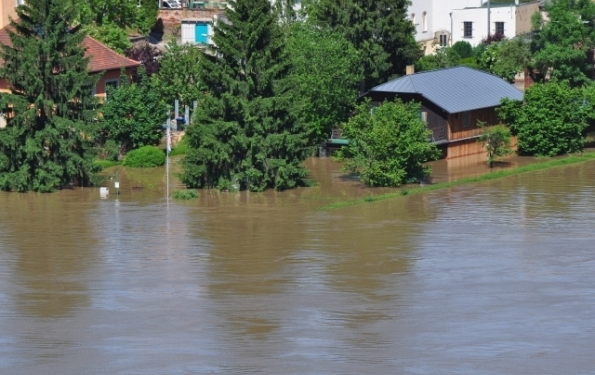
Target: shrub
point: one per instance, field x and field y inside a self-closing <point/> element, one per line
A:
<point x="550" y="121"/>
<point x="463" y="48"/>
<point x="145" y="157"/>
<point x="185" y="195"/>
<point x="388" y="145"/>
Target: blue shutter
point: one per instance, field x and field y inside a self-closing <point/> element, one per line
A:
<point x="201" y="32"/>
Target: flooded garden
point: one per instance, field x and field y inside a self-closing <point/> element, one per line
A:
<point x="493" y="278"/>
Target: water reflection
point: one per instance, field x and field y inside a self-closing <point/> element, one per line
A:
<point x="491" y="278"/>
<point x="50" y="273"/>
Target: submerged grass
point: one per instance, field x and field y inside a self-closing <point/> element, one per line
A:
<point x="185" y="195"/>
<point x="572" y="159"/>
<point x="103" y="164"/>
<point x="180" y="148"/>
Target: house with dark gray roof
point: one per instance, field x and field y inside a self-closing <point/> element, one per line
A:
<point x="453" y="101"/>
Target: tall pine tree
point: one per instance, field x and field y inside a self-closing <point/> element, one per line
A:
<point x="245" y="136"/>
<point x="379" y="29"/>
<point x="44" y="145"/>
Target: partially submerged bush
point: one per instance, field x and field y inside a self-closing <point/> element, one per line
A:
<point x="145" y="157"/>
<point x="185" y="194"/>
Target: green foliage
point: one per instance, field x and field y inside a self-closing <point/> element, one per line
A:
<point x="179" y="74"/>
<point x="103" y="164"/>
<point x="111" y="35"/>
<point x="109" y="20"/>
<point x="463" y="49"/>
<point x="496" y="140"/>
<point x="145" y="157"/>
<point x="325" y="75"/>
<point x="445" y="57"/>
<point x="379" y="29"/>
<point x="550" y="121"/>
<point x="180" y="148"/>
<point x="133" y="115"/>
<point x="43" y="147"/>
<point x="185" y="195"/>
<point x="470" y="62"/>
<point x="562" y="46"/>
<point x="389" y="146"/>
<point x="244" y="134"/>
<point x="506" y="58"/>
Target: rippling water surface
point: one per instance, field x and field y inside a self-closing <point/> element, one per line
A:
<point x="493" y="278"/>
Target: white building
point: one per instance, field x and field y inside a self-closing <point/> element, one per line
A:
<point x="509" y="19"/>
<point x="444" y="22"/>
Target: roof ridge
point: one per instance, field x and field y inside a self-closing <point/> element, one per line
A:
<point x="412" y="84"/>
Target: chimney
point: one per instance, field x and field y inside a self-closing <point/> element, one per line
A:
<point x="409" y="70"/>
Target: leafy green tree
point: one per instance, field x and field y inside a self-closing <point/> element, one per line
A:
<point x="133" y="115"/>
<point x="463" y="49"/>
<point x="561" y="47"/>
<point x="43" y="147"/>
<point x="506" y="58"/>
<point x="550" y="121"/>
<point x="388" y="145"/>
<point x="111" y="35"/>
<point x="179" y="74"/>
<point x="379" y="29"/>
<point x="244" y="134"/>
<point x="325" y="75"/>
<point x="445" y="57"/>
<point x="497" y="141"/>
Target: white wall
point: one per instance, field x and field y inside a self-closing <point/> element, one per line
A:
<point x="479" y="17"/>
<point x="438" y="17"/>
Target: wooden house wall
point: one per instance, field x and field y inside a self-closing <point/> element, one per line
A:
<point x="436" y="123"/>
<point x="455" y="122"/>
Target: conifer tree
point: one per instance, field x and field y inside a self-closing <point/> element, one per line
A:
<point x="244" y="135"/>
<point x="379" y="29"/>
<point x="45" y="143"/>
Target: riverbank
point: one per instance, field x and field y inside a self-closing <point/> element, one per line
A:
<point x="406" y="191"/>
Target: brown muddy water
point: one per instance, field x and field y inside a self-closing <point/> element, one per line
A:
<point x="492" y="278"/>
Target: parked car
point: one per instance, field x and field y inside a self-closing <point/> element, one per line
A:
<point x="171" y="4"/>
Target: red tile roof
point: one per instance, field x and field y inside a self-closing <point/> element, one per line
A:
<point x="100" y="56"/>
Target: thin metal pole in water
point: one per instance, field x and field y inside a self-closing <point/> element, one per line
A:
<point x="167" y="150"/>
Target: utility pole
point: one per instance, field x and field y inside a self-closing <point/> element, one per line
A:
<point x="489" y="14"/>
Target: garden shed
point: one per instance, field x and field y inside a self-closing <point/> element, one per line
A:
<point x="453" y="101"/>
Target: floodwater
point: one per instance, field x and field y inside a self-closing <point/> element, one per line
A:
<point x="492" y="278"/>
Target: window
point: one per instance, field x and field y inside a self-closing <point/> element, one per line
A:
<point x="413" y="18"/>
<point x="20" y="2"/>
<point x="424" y="22"/>
<point x="113" y="83"/>
<point x="500" y="28"/>
<point x="467" y="29"/>
<point x="466" y="120"/>
<point x="443" y="40"/>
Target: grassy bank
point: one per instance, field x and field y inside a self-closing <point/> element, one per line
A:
<point x="573" y="159"/>
<point x="103" y="164"/>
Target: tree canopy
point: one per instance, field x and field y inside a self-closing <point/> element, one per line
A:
<point x="133" y="115"/>
<point x="379" y="29"/>
<point x="43" y="147"/>
<point x="245" y="135"/>
<point x="388" y="144"/>
<point x="325" y="76"/>
<point x="550" y="121"/>
<point x="179" y="74"/>
<point x="562" y="46"/>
